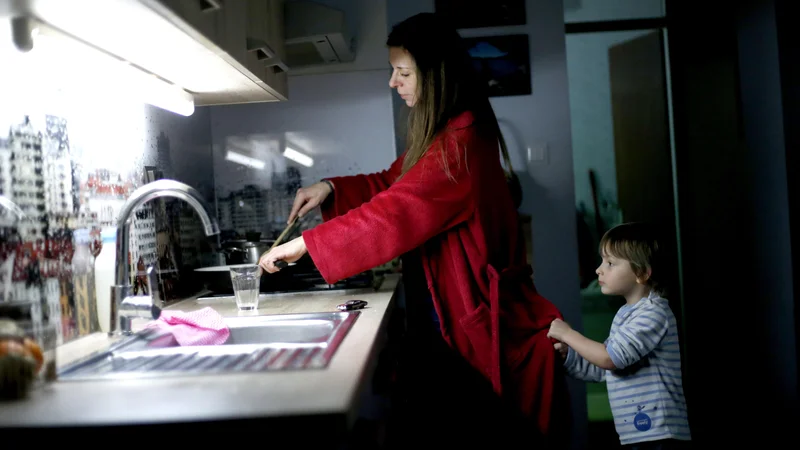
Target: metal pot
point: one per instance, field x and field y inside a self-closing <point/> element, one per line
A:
<point x="245" y="252"/>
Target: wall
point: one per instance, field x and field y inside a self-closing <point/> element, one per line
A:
<point x="339" y="115"/>
<point x="89" y="151"/>
<point x="591" y="119"/>
<point x="538" y="120"/>
<point x="601" y="10"/>
<point x="764" y="126"/>
<point x="731" y="133"/>
<point x="342" y="120"/>
<point x="790" y="89"/>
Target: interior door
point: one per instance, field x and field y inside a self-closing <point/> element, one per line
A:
<point x="642" y="140"/>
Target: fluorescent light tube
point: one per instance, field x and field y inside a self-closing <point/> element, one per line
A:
<point x="141" y="32"/>
<point x="298" y="157"/>
<point x="84" y="66"/>
<point x="244" y="160"/>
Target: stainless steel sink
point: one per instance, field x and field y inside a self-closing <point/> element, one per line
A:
<point x="256" y="344"/>
<point x="295" y="329"/>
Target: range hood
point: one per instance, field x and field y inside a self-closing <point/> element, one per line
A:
<point x="315" y="34"/>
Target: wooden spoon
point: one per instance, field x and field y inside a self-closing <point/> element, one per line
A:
<point x="288" y="231"/>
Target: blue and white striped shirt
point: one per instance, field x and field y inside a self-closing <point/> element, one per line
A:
<point x="645" y="390"/>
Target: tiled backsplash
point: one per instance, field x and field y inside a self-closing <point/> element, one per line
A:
<point x="70" y="170"/>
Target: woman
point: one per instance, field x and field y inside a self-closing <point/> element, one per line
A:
<point x="481" y="354"/>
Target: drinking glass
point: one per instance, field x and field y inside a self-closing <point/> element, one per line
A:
<point x="246" y="280"/>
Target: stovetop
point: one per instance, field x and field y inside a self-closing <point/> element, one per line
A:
<point x="307" y="282"/>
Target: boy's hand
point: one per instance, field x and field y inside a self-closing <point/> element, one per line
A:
<point x="562" y="348"/>
<point x="558" y="329"/>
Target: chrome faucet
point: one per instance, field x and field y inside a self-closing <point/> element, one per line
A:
<point x="125" y="306"/>
<point x="6" y="203"/>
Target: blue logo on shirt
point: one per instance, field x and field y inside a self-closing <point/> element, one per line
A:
<point x="642" y="422"/>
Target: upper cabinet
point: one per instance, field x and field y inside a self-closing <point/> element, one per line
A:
<point x="266" y="50"/>
<point x="217" y="51"/>
<point x="247" y="34"/>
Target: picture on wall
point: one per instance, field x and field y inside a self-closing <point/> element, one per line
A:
<point x="504" y="62"/>
<point x="482" y="13"/>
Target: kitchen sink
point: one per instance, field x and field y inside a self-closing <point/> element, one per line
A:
<point x="256" y="344"/>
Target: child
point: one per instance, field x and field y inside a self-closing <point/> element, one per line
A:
<point x="640" y="361"/>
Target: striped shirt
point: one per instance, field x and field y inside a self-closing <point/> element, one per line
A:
<point x="645" y="389"/>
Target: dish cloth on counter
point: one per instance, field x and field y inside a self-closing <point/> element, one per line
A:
<point x="201" y="327"/>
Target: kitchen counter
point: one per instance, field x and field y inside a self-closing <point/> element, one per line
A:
<point x="329" y="392"/>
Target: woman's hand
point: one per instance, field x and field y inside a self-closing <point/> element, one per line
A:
<point x="289" y="252"/>
<point x="308" y="198"/>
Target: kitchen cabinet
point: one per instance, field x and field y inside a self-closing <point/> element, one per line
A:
<point x="265" y="43"/>
<point x="211" y="18"/>
<point x="247" y="34"/>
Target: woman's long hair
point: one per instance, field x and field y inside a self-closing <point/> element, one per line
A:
<point x="447" y="85"/>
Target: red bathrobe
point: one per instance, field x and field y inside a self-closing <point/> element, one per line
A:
<point x="472" y="254"/>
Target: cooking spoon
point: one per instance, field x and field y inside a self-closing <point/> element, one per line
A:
<point x="288" y="231"/>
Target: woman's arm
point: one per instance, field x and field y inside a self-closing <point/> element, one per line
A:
<point x="352" y="191"/>
<point x="424" y="203"/>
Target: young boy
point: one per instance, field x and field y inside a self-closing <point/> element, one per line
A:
<point x="640" y="361"/>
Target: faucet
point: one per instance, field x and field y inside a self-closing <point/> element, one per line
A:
<point x="6" y="203"/>
<point x="125" y="306"/>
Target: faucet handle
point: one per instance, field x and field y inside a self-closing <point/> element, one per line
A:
<point x="125" y="307"/>
<point x="152" y="287"/>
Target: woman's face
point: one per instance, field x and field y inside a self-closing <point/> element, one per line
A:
<point x="404" y="75"/>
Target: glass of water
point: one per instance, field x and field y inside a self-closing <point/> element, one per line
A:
<point x="246" y="280"/>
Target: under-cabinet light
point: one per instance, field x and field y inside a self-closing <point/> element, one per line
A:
<point x="149" y="34"/>
<point x="77" y="64"/>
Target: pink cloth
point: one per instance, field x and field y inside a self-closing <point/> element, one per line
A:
<point x="202" y="327"/>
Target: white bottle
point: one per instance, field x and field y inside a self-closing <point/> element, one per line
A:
<point x="104" y="276"/>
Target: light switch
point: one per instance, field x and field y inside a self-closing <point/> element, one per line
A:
<point x="537" y="154"/>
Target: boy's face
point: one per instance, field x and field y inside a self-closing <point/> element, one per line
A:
<point x="615" y="275"/>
